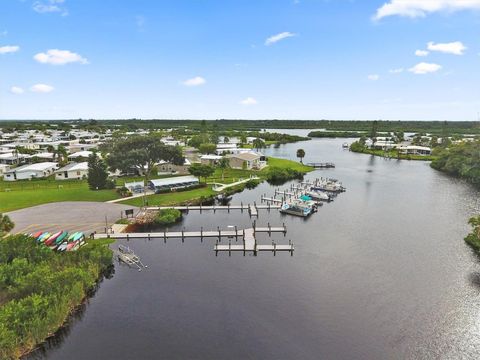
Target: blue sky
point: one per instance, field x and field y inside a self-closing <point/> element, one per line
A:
<point x="284" y="59"/>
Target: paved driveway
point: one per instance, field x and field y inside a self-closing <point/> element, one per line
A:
<point x="70" y="216"/>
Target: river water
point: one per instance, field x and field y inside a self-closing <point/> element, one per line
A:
<point x="381" y="272"/>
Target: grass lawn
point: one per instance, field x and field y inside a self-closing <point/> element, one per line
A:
<point x="284" y="163"/>
<point x="14" y="200"/>
<point x="24" y="194"/>
<point x="173" y="198"/>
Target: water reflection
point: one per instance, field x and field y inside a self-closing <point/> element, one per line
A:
<point x="381" y="272"/>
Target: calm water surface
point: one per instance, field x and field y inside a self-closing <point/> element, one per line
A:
<point x="382" y="272"/>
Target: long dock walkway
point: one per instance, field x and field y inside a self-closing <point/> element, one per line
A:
<point x="246" y="237"/>
<point x="251" y="208"/>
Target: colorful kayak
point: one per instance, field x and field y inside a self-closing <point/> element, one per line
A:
<point x="72" y="236"/>
<point x="37" y="234"/>
<point x="44" y="237"/>
<point x="61" y="238"/>
<point x="52" y="238"/>
<point x="62" y="246"/>
<point x="78" y="236"/>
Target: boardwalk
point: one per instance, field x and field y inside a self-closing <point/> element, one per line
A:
<point x="246" y="238"/>
<point x="251" y="208"/>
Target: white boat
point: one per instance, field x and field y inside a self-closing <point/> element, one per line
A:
<point x="296" y="208"/>
<point x="318" y="195"/>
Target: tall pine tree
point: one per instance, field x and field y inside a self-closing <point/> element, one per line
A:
<point x="97" y="172"/>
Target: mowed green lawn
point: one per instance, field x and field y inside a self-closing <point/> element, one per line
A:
<point x="22" y="194"/>
<point x="19" y="199"/>
<point x="172" y="198"/>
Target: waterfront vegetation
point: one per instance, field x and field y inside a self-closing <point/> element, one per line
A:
<point x="39" y="288"/>
<point x="335" y="134"/>
<point x="168" y="217"/>
<point x="358" y="147"/>
<point x="461" y="160"/>
<point x="473" y="239"/>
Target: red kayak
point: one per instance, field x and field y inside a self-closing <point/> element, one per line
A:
<point x="37" y="234"/>
<point x="52" y="238"/>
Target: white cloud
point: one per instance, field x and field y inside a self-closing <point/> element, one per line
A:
<point x="276" y="38"/>
<point x="420" y="8"/>
<point x="50" y="6"/>
<point x="421" y="52"/>
<point x="9" y="49"/>
<point x="455" y="48"/>
<point x="16" y="90"/>
<point x="425" y="68"/>
<point x="195" y="81"/>
<point x="373" y="77"/>
<point x="42" y="88"/>
<point x="396" y="71"/>
<point x="59" y="57"/>
<point x="249" y="101"/>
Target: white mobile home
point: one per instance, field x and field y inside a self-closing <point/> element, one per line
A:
<point x="31" y="171"/>
<point x="72" y="171"/>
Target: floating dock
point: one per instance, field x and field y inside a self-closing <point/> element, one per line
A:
<point x="324" y="165"/>
<point x="251" y="208"/>
<point x="245" y="237"/>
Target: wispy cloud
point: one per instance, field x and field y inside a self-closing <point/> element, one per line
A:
<point x="249" y="101"/>
<point x="455" y="48"/>
<point x="41" y="88"/>
<point x="16" y="90"/>
<point x="420" y="8"/>
<point x="59" y="57"/>
<point x="373" y="77"/>
<point x="9" y="49"/>
<point x="425" y="68"/>
<point x="50" y="6"/>
<point x="421" y="52"/>
<point x="195" y="81"/>
<point x="396" y="71"/>
<point x="276" y="38"/>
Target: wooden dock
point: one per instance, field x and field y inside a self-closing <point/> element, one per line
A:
<point x="246" y="239"/>
<point x="249" y="244"/>
<point x="325" y="165"/>
<point x="251" y="208"/>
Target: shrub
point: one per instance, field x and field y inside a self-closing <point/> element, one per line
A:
<point x="168" y="217"/>
<point x="252" y="184"/>
<point x="276" y="175"/>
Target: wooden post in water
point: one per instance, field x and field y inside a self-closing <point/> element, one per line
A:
<point x="201" y="234"/>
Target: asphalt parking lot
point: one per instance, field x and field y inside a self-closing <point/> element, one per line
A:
<point x="70" y="216"/>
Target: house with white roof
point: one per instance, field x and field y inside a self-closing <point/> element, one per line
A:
<point x="31" y="171"/>
<point x="80" y="155"/>
<point x="72" y="171"/>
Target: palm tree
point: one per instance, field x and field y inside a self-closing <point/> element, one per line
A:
<point x="301" y="154"/>
<point x="258" y="144"/>
<point x="223" y="164"/>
